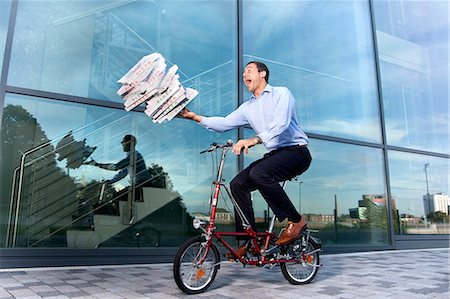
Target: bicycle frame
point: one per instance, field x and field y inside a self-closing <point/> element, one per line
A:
<point x="210" y="231"/>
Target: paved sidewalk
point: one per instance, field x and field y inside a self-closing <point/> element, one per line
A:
<point x="386" y="274"/>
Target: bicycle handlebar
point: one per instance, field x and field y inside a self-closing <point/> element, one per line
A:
<point x="215" y="146"/>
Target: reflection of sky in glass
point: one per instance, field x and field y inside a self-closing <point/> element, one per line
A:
<point x="83" y="47"/>
<point x="347" y="171"/>
<point x="408" y="181"/>
<point x="331" y="74"/>
<point x="413" y="46"/>
<point x="4" y="19"/>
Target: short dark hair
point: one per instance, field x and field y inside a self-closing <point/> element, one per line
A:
<point x="261" y="67"/>
<point x="128" y="138"/>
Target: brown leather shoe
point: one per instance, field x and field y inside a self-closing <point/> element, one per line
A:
<point x="292" y="232"/>
<point x="240" y="252"/>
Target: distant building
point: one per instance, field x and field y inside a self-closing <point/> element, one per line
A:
<point x="358" y="213"/>
<point x="438" y="202"/>
<point x="223" y="216"/>
<point x="320" y="218"/>
<point x="378" y="200"/>
<point x="410" y="219"/>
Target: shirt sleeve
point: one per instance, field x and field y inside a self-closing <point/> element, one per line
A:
<point x="283" y="112"/>
<point x="120" y="175"/>
<point x="124" y="163"/>
<point x="233" y="120"/>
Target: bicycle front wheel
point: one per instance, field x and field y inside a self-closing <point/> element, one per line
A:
<point x="305" y="268"/>
<point x="195" y="265"/>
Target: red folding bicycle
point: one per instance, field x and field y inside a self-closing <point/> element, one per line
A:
<point x="197" y="261"/>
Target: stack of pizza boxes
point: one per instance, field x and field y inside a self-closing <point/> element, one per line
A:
<point x="149" y="82"/>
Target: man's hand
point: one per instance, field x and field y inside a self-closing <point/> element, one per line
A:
<point x="244" y="144"/>
<point x="90" y="162"/>
<point x="186" y="113"/>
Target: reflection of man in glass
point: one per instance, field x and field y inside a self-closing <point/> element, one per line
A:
<point x="271" y="113"/>
<point x="132" y="165"/>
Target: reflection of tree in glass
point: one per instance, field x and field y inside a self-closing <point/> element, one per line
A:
<point x="374" y="214"/>
<point x="159" y="178"/>
<point x="48" y="194"/>
<point x="438" y="217"/>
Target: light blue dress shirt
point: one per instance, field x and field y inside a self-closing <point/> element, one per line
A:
<point x="272" y="116"/>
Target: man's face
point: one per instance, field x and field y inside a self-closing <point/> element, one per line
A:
<point x="126" y="145"/>
<point x="252" y="78"/>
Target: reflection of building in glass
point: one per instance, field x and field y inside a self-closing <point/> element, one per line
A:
<point x="410" y="219"/>
<point x="439" y="202"/>
<point x="222" y="216"/>
<point x="320" y="218"/>
<point x="377" y="200"/>
<point x="358" y="213"/>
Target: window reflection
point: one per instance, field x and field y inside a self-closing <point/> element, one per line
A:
<point x="342" y="194"/>
<point x="83" y="47"/>
<point x="420" y="185"/>
<point x="413" y="46"/>
<point x="63" y="196"/>
<point x="330" y="73"/>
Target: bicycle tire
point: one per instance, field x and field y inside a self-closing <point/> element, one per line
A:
<point x="189" y="277"/>
<point x="303" y="271"/>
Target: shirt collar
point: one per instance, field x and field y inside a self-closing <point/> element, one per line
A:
<point x="268" y="88"/>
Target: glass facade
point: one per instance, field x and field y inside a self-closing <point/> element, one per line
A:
<point x="83" y="47"/>
<point x="419" y="186"/>
<point x="414" y="52"/>
<point x="370" y="79"/>
<point x="342" y="194"/>
<point x="290" y="36"/>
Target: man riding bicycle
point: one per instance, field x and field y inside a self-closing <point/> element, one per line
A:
<point x="271" y="113"/>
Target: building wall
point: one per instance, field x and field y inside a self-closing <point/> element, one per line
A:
<point x="370" y="79"/>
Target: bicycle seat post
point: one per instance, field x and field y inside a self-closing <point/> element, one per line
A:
<point x="272" y="224"/>
<point x="272" y="221"/>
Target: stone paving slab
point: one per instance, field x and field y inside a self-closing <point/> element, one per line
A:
<point x="382" y="274"/>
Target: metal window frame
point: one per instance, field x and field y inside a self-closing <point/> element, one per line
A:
<point x="7" y="55"/>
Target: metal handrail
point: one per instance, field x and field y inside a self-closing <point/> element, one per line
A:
<point x="13" y="190"/>
<point x="19" y="192"/>
<point x="90" y="212"/>
<point x="14" y="216"/>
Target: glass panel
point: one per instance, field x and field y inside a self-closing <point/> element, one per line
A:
<point x="413" y="42"/>
<point x="62" y="202"/>
<point x="342" y="194"/>
<point x="5" y="8"/>
<point x="323" y="52"/>
<point x="420" y="188"/>
<point x="83" y="47"/>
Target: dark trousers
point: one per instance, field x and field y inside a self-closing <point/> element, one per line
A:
<point x="264" y="175"/>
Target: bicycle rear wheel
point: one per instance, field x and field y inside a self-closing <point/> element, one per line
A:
<point x="195" y="265"/>
<point x="305" y="268"/>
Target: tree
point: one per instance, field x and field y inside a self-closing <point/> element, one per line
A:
<point x="438" y="217"/>
<point x="375" y="215"/>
